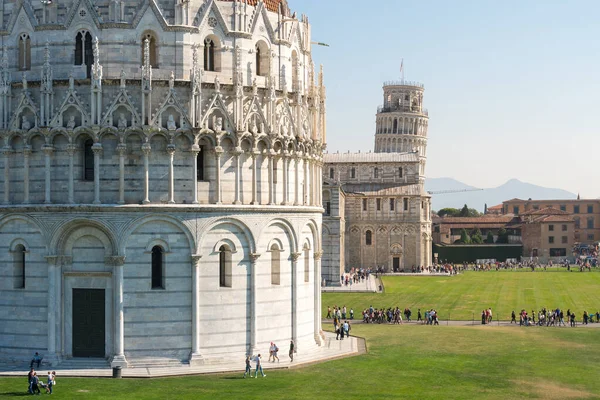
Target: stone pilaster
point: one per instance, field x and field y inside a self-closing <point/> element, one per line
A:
<point x="26" y="159"/>
<point x="317" y="292"/>
<point x="7" y="151"/>
<point x="146" y="149"/>
<point x="97" y="149"/>
<point x="195" y="151"/>
<point x="195" y="355"/>
<point x="48" y="150"/>
<point x="118" y="360"/>
<point x="171" y="153"/>
<point x="122" y="150"/>
<point x="253" y="304"/>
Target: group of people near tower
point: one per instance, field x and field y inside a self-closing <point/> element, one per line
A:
<point x="556" y="317"/>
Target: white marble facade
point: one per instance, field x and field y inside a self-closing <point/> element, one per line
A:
<point x="191" y="126"/>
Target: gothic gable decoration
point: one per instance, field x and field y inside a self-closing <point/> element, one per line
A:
<point x="254" y="118"/>
<point x="122" y="112"/>
<point x="22" y="8"/>
<point x="71" y="113"/>
<point x="171" y="115"/>
<point x="209" y="14"/>
<point x="157" y="13"/>
<point x="260" y="14"/>
<point x="216" y="116"/>
<point x="26" y="113"/>
<point x="83" y="8"/>
<point x="285" y="117"/>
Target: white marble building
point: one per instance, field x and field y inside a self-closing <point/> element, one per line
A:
<point x="377" y="212"/>
<point x="161" y="178"/>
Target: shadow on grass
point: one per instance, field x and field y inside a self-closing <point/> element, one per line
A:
<point x="14" y="394"/>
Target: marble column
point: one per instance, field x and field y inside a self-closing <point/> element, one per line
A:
<point x="97" y="149"/>
<point x="118" y="359"/>
<point x="238" y="174"/>
<point x="195" y="356"/>
<point x="253" y="304"/>
<point x="122" y="150"/>
<point x="218" y="154"/>
<point x="195" y="151"/>
<point x="52" y="272"/>
<point x="295" y="258"/>
<point x="7" y="151"/>
<point x="284" y="159"/>
<point x="297" y="183"/>
<point x="254" y="177"/>
<point x="48" y="150"/>
<point x="317" y="301"/>
<point x="26" y="156"/>
<point x="146" y="149"/>
<point x="306" y="193"/>
<point x="271" y="180"/>
<point x="71" y="149"/>
<point x="171" y="153"/>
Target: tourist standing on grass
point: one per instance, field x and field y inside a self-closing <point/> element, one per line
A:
<point x="35" y="384"/>
<point x="50" y="383"/>
<point x="483" y="317"/>
<point x="344" y="312"/>
<point x="29" y="380"/>
<point x="248" y="367"/>
<point x="572" y="319"/>
<point x="513" y="317"/>
<point x="328" y="312"/>
<point x="585" y="318"/>
<point x="292" y="350"/>
<point x="258" y="367"/>
<point x="351" y="313"/>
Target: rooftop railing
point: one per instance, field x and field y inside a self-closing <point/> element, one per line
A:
<point x="404" y="83"/>
<point x="387" y="109"/>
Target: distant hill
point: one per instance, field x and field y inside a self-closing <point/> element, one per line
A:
<point x="491" y="196"/>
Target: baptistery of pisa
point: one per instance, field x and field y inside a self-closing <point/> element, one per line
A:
<point x="161" y="179"/>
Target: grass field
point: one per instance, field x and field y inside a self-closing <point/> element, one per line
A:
<point x="462" y="297"/>
<point x="415" y="361"/>
<point x="404" y="362"/>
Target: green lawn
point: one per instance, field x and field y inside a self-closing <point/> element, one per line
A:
<point x="464" y="296"/>
<point x="404" y="362"/>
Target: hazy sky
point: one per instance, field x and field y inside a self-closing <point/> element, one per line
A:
<point x="511" y="87"/>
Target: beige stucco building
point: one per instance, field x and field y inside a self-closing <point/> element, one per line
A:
<point x="377" y="213"/>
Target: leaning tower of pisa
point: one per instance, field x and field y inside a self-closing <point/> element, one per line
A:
<point x="402" y="121"/>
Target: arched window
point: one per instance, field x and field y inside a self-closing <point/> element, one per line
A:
<point x="84" y="54"/>
<point x="262" y="59"/>
<point x="225" y="266"/>
<point x="306" y="263"/>
<point x="153" y="56"/>
<point x="200" y="165"/>
<point x="19" y="266"/>
<point x="88" y="160"/>
<point x="353" y="173"/>
<point x="209" y="55"/>
<point x="158" y="268"/>
<point x="24" y="52"/>
<point x="400" y="172"/>
<point x="331" y="173"/>
<point x="376" y="172"/>
<point x="275" y="265"/>
<point x="369" y="238"/>
<point x="395" y="125"/>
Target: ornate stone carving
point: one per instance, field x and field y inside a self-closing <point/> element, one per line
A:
<point x="114" y="261"/>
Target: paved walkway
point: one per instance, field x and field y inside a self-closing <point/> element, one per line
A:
<point x="369" y="285"/>
<point x="332" y="349"/>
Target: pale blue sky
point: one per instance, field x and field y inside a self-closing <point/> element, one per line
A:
<point x="511" y="87"/>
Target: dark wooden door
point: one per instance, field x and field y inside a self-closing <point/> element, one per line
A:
<point x="88" y="323"/>
<point x="396" y="264"/>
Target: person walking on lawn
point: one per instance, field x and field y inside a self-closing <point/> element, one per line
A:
<point x="258" y="367"/>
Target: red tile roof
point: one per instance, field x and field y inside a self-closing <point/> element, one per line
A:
<point x="546" y="211"/>
<point x="493" y="208"/>
<point x="476" y="220"/>
<point x="272" y="5"/>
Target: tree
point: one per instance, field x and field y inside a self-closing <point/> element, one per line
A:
<point x="464" y="212"/>
<point x="448" y="212"/>
<point x="502" y="236"/>
<point x="476" y="236"/>
<point x="490" y="238"/>
<point x="464" y="237"/>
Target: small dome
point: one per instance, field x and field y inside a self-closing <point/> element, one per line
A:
<point x="272" y="5"/>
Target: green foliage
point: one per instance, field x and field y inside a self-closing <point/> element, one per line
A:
<point x="448" y="212"/>
<point x="464" y="212"/>
<point x="490" y="238"/>
<point x="476" y="236"/>
<point x="464" y="237"/>
<point x="502" y="236"/>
